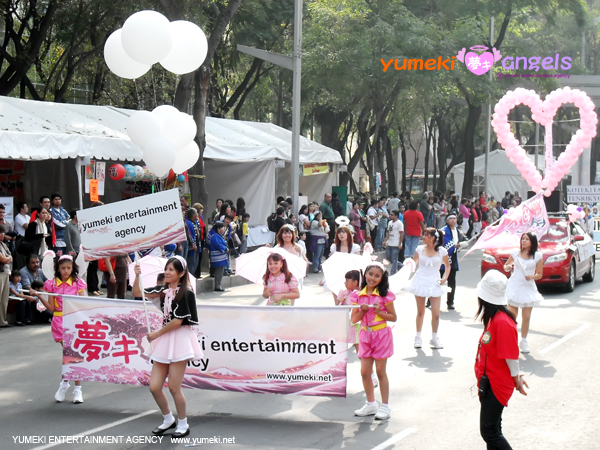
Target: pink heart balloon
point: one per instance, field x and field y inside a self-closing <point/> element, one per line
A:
<point x="543" y="113"/>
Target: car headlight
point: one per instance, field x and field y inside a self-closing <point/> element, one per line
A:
<point x="557" y="258"/>
<point x="488" y="259"/>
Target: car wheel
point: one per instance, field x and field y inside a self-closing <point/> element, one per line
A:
<point x="589" y="276"/>
<point x="570" y="286"/>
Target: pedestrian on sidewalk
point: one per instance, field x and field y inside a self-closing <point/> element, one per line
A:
<point x="375" y="339"/>
<point x="427" y="284"/>
<point x="393" y="240"/>
<point x="174" y="344"/>
<point x="414" y="225"/>
<point x="497" y="362"/>
<point x="527" y="265"/>
<point x="217" y="245"/>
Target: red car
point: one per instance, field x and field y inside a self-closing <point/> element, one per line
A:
<point x="569" y="253"/>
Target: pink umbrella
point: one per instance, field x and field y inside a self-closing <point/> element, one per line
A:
<point x="152" y="266"/>
<point x="253" y="266"/>
<point x="338" y="264"/>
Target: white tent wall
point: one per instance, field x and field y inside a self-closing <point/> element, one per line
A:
<point x="253" y="181"/>
<point x="314" y="187"/>
<point x="503" y="175"/>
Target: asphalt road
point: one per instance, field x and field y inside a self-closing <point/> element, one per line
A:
<point x="431" y="397"/>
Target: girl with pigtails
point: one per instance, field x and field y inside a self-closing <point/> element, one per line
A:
<point x="172" y="345"/>
<point x="426" y="283"/>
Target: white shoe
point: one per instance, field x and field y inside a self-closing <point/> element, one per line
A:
<point x="524" y="346"/>
<point x="435" y="342"/>
<point x="367" y="410"/>
<point x="384" y="413"/>
<point x="418" y="342"/>
<point x="62" y="392"/>
<point x="77" y="396"/>
<point x="375" y="380"/>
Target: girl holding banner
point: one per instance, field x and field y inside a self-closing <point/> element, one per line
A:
<point x="173" y="345"/>
<point x="521" y="292"/>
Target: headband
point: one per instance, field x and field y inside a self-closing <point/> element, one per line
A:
<point x="69" y="257"/>
<point x="290" y="227"/>
<point x="182" y="260"/>
<point x="376" y="264"/>
<point x="276" y="253"/>
<point x="450" y="216"/>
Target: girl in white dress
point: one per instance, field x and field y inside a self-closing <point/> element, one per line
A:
<point x="344" y="242"/>
<point x="527" y="265"/>
<point x="286" y="239"/>
<point x="427" y="283"/>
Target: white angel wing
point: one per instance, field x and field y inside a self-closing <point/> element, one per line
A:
<point x="82" y="264"/>
<point x="48" y="264"/>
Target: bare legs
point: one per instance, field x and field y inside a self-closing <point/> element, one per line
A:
<point x="435" y="313"/>
<point x="366" y="369"/>
<point x="175" y="372"/>
<point x="525" y="316"/>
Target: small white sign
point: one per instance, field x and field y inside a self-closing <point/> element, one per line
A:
<point x="279" y="163"/>
<point x="583" y="194"/>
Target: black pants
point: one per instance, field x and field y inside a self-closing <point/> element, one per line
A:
<point x="451" y="284"/>
<point x="24" y="312"/>
<point x="92" y="277"/>
<point x="490" y="422"/>
<point x="330" y="236"/>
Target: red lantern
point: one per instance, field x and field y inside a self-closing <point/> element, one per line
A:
<point x="116" y="171"/>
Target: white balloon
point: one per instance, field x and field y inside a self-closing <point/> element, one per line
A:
<point x="159" y="156"/>
<point x="118" y="61"/>
<point x="186" y="157"/>
<point x="139" y="173"/>
<point x="143" y="127"/>
<point x="147" y="37"/>
<point x="180" y="129"/>
<point x="163" y="112"/>
<point x="189" y="48"/>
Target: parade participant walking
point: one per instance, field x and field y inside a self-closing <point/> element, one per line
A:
<point x="66" y="282"/>
<point x="452" y="239"/>
<point x="497" y="362"/>
<point x="414" y="224"/>
<point x="393" y="240"/>
<point x="344" y="243"/>
<point x="280" y="286"/>
<point x="286" y="239"/>
<point x="174" y="344"/>
<point x="426" y="284"/>
<point x="527" y="265"/>
<point x="375" y="338"/>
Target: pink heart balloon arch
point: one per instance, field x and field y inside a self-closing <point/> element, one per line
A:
<point x="543" y="113"/>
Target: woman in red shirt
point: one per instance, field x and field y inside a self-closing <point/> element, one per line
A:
<point x="497" y="362"/>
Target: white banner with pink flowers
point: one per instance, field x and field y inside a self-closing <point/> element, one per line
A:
<point x="260" y="349"/>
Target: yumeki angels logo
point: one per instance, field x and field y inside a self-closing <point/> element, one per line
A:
<point x="479" y="64"/>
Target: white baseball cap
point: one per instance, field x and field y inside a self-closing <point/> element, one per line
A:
<point x="492" y="288"/>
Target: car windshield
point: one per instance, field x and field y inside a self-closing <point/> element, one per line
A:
<point x="556" y="233"/>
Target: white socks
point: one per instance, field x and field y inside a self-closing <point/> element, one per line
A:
<point x="182" y="425"/>
<point x="372" y="403"/>
<point x="418" y="334"/>
<point x="433" y="335"/>
<point x="168" y="420"/>
<point x="77" y="388"/>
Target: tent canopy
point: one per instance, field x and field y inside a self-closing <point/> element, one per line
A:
<point x="504" y="175"/>
<point x="34" y="130"/>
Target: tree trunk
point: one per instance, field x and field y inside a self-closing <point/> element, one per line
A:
<point x="402" y="158"/>
<point x="471" y="125"/>
<point x="441" y="152"/>
<point x="389" y="163"/>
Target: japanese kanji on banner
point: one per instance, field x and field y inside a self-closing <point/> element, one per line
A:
<point x="258" y="349"/>
<point x="131" y="225"/>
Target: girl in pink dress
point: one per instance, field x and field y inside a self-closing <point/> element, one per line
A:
<point x="65" y="282"/>
<point x="174" y="344"/>
<point x="281" y="287"/>
<point x="375" y="338"/>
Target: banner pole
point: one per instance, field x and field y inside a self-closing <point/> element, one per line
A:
<point x="141" y="284"/>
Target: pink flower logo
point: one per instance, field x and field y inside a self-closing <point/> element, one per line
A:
<point x="479" y="64"/>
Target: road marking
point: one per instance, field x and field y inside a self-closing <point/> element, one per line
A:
<point x="395" y="438"/>
<point x="565" y="338"/>
<point x="102" y="428"/>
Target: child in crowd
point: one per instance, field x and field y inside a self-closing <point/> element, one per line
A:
<point x="44" y="315"/>
<point x="244" y="246"/>
<point x="302" y="241"/>
<point x="281" y="287"/>
<point x="65" y="282"/>
<point x="375" y="338"/>
<point x="24" y="313"/>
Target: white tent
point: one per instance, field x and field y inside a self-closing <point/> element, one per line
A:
<point x="240" y="156"/>
<point x="504" y="175"/>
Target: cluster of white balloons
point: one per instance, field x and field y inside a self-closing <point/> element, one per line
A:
<point x="147" y="37"/>
<point x="166" y="136"/>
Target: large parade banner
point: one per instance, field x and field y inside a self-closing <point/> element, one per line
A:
<point x="280" y="350"/>
<point x="530" y="215"/>
<point x="131" y="225"/>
